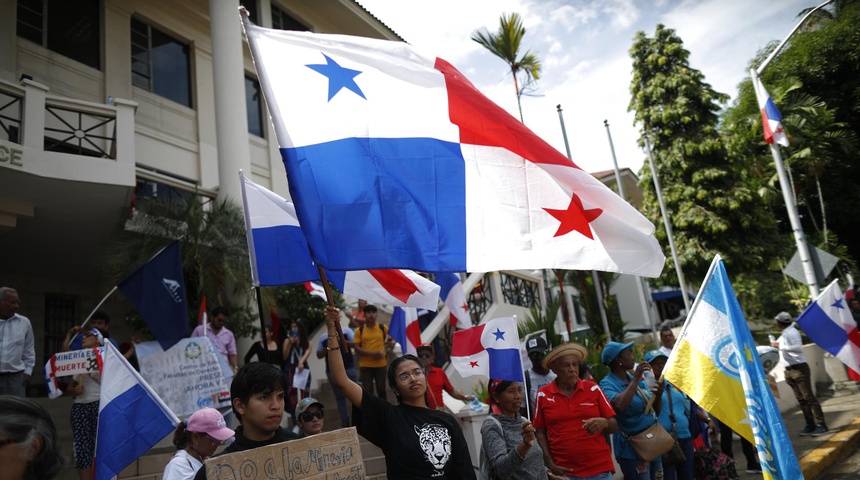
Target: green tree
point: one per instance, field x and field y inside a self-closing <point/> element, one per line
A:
<point x="711" y="207"/>
<point x="505" y="44"/>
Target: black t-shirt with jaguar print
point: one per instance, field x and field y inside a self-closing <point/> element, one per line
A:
<point x="418" y="443"/>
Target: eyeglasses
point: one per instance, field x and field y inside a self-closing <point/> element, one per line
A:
<point x="309" y="417"/>
<point x="425" y="355"/>
<point x="537" y="354"/>
<point x="214" y="440"/>
<point x="405" y="377"/>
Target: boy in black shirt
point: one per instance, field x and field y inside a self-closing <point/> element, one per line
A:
<point x="257" y="394"/>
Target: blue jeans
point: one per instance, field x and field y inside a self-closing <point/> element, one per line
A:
<point x="338" y="395"/>
<point x="682" y="471"/>
<point x="639" y="469"/>
<point x="602" y="476"/>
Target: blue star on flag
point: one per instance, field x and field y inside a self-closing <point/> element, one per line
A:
<point x="838" y="303"/>
<point x="338" y="77"/>
<point x="500" y="335"/>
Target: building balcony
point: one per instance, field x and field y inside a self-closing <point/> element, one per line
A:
<point x="67" y="168"/>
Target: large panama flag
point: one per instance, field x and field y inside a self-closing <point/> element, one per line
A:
<point x="715" y="362"/>
<point x="395" y="160"/>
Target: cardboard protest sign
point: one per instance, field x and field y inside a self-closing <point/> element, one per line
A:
<point x="330" y="455"/>
<point x="188" y="376"/>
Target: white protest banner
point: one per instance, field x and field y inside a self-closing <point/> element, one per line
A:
<point x="187" y="377"/>
<point x="66" y="364"/>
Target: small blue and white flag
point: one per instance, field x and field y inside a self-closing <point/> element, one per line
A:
<point x="132" y="418"/>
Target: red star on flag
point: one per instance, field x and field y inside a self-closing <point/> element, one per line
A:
<point x="575" y="217"/>
<point x="473" y="364"/>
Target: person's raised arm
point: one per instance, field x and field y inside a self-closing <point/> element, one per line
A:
<point x="623" y="399"/>
<point x="67" y="340"/>
<point x="351" y="390"/>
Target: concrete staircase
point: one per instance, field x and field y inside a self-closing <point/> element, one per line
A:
<point x="151" y="465"/>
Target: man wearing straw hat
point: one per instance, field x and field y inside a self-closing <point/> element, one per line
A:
<point x="571" y="416"/>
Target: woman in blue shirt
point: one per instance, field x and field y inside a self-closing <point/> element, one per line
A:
<point x="680" y="408"/>
<point x="629" y="395"/>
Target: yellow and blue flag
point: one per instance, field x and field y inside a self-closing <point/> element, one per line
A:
<point x="715" y="362"/>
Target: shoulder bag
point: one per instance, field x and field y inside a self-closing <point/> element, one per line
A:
<point x="676" y="455"/>
<point x="652" y="442"/>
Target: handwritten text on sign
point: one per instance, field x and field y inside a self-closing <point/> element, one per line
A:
<point x="331" y="456"/>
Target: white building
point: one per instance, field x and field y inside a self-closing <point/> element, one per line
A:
<point x="103" y="102"/>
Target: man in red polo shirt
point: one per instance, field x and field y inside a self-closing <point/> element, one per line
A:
<point x="437" y="379"/>
<point x="571" y="418"/>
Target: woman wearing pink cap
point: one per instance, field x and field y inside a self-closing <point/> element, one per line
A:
<point x="196" y="439"/>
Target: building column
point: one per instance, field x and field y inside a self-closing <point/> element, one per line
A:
<point x="231" y="118"/>
<point x="8" y="40"/>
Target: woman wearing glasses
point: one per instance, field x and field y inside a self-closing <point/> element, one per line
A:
<point x="418" y="442"/>
<point x="196" y="439"/>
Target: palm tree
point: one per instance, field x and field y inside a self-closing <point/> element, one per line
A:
<point x="214" y="252"/>
<point x="505" y="44"/>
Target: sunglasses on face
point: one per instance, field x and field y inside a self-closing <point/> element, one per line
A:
<point x="309" y="417"/>
<point x="425" y="355"/>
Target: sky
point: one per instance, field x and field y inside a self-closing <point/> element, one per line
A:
<point x="583" y="47"/>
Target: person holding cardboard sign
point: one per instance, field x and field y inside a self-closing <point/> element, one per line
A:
<point x="418" y="443"/>
<point x="257" y="395"/>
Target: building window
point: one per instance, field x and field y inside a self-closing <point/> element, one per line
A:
<point x="281" y="20"/>
<point x="71" y="28"/>
<point x="254" y="106"/>
<point x="60" y="316"/>
<point x="160" y="63"/>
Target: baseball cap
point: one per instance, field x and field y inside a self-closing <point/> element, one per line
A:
<point x="536" y="344"/>
<point x="783" y="318"/>
<point x="306" y="403"/>
<point x="211" y="422"/>
<point x="651" y="355"/>
<point x="424" y="346"/>
<point x="612" y="350"/>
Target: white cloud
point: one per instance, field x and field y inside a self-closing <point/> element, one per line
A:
<point x="584" y="45"/>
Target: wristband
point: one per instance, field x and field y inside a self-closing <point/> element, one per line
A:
<point x="331" y="349"/>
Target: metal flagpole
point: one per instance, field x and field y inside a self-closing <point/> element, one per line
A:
<point x="784" y="182"/>
<point x="597" y="289"/>
<point x="644" y="293"/>
<point x="667" y="223"/>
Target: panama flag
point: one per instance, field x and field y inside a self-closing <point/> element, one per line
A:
<point x="451" y="290"/>
<point x="828" y="322"/>
<point x="771" y="120"/>
<point x="396" y="161"/>
<point x="279" y="255"/>
<point x="132" y="418"/>
<point x="491" y="349"/>
<point x="405" y="329"/>
<point x="716" y="363"/>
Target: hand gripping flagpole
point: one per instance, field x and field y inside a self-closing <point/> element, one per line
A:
<point x="342" y="342"/>
<point x="94" y="311"/>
